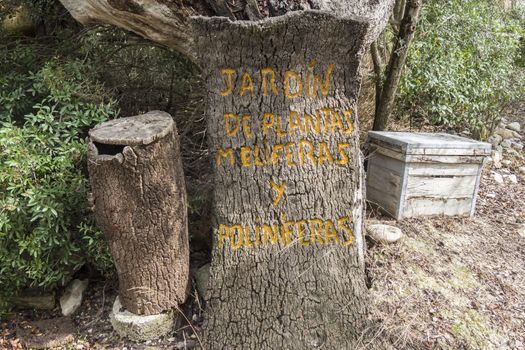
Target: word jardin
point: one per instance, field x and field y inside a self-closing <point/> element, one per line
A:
<point x="292" y="83"/>
<point x="304" y="232"/>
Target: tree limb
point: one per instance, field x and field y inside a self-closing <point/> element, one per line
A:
<point x="168" y="22"/>
<point x="397" y="63"/>
<point x="167" y="25"/>
<point x="378" y="71"/>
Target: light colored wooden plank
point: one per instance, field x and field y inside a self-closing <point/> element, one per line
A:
<point x="385" y="179"/>
<point x="444" y="159"/>
<point x="402" y="196"/>
<point x="450" y="151"/>
<point x="433" y="206"/>
<point x="426" y="158"/>
<point x="475" y="194"/>
<point x="441" y="187"/>
<point x="385" y="161"/>
<point x="428" y="143"/>
<point x="376" y="150"/>
<point x="387" y="202"/>
<point x="431" y="169"/>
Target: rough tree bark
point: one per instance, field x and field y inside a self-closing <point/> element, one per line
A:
<point x="288" y="259"/>
<point x="407" y="28"/>
<point x="140" y="205"/>
<point x="305" y="289"/>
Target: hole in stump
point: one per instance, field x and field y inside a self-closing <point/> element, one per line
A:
<point x="111" y="150"/>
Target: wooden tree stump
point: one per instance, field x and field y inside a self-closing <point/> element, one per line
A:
<point x="140" y="204"/>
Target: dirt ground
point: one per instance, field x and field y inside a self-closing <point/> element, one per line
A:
<point x="454" y="283"/>
<point x="449" y="283"/>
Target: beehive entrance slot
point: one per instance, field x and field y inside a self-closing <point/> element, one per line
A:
<point x="444" y="176"/>
<point x="110" y="150"/>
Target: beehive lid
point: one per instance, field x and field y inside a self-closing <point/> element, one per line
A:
<point x="410" y="143"/>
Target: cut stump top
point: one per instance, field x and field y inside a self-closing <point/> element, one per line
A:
<point x="131" y="131"/>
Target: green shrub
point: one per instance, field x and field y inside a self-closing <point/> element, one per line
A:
<point x="45" y="231"/>
<point x="462" y="67"/>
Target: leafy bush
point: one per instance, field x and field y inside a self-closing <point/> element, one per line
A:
<point x="463" y="67"/>
<point x="49" y="98"/>
<point x="45" y="232"/>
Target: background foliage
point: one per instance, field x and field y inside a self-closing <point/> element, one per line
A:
<point x="45" y="232"/>
<point x="464" y="65"/>
<point x="57" y="80"/>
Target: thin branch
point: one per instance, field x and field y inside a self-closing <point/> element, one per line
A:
<point x="397" y="63"/>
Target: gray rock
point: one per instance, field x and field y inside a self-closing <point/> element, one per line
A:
<point x="496" y="158"/>
<point x="512" y="178"/>
<point x="521" y="230"/>
<point x="517" y="146"/>
<point x="72" y="298"/>
<point x="515" y="126"/>
<point x="506" y="162"/>
<point x="506" y="143"/>
<point x="140" y="327"/>
<point x="495" y="139"/>
<point x="384" y="233"/>
<point x="521" y="170"/>
<point x="514" y="153"/>
<point x="201" y="279"/>
<point x="506" y="133"/>
<point x="498" y="178"/>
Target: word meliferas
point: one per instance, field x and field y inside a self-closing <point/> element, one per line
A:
<point x="306" y="232"/>
<point x="291" y="154"/>
<point x="269" y="82"/>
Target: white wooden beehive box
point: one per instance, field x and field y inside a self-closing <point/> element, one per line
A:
<point x="421" y="174"/>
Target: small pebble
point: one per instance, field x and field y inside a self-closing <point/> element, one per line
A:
<point x="512" y="178"/>
<point x="384" y="233"/>
<point x="515" y="126"/>
<point x="498" y="178"/>
<point x="506" y="143"/>
<point x="521" y="231"/>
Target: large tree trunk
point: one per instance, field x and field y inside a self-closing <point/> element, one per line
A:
<point x="140" y="205"/>
<point x="288" y="264"/>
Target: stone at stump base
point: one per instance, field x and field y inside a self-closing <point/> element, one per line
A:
<point x="139" y="327"/>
